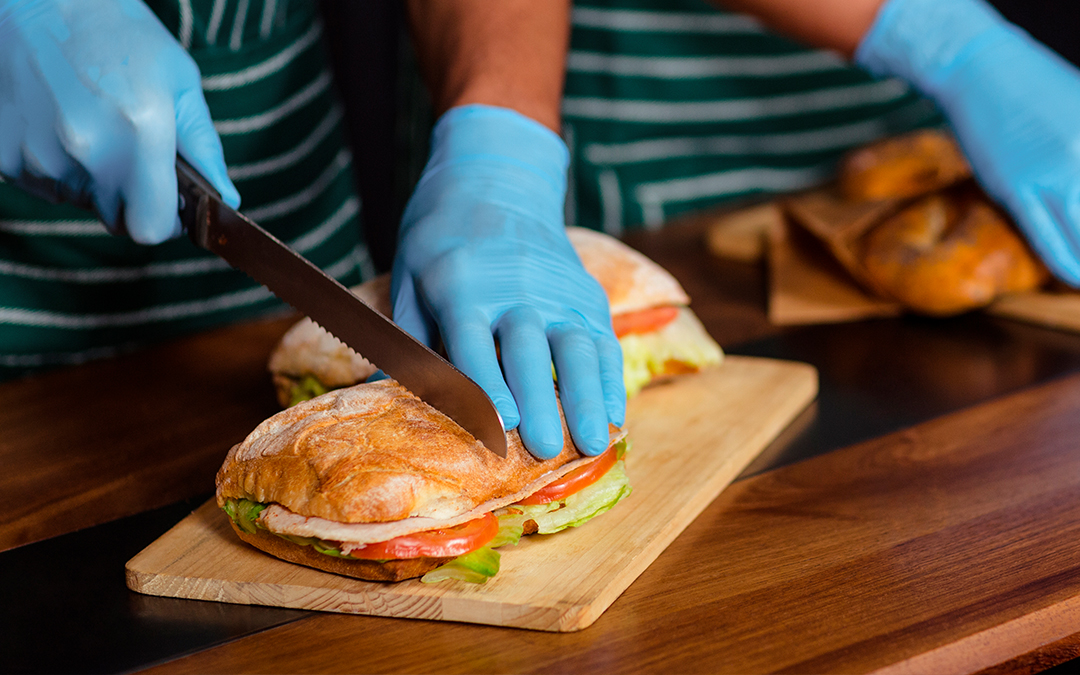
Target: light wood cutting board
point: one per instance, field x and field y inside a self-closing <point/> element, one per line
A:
<point x="690" y="438"/>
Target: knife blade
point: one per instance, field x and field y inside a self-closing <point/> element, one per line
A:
<point x="216" y="227"/>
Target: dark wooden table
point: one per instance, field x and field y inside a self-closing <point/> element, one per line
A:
<point x="920" y="517"/>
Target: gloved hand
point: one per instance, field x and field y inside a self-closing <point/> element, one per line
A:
<point x="483" y="255"/>
<point x="1013" y="103"/>
<point x="96" y="98"/>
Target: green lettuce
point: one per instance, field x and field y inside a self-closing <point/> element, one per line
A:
<point x="306" y="389"/>
<point x="483" y="563"/>
<point x="684" y="340"/>
<point x="244" y="513"/>
<point x="474" y="568"/>
<point x="582" y="506"/>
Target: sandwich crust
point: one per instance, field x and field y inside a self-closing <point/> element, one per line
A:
<point x="631" y="281"/>
<point x="374" y="453"/>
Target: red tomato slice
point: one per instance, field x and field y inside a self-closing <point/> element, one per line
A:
<point x="575" y="481"/>
<point x="645" y="321"/>
<point x="442" y="543"/>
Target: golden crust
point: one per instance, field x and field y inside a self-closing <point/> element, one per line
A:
<point x="369" y="570"/>
<point x="948" y="253"/>
<point x="374" y="453"/>
<point x="903" y="166"/>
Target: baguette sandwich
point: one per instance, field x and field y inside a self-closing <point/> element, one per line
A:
<point x="659" y="333"/>
<point x="371" y="482"/>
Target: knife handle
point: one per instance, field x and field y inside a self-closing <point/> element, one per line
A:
<point x="194" y="195"/>
<point x="192" y="189"/>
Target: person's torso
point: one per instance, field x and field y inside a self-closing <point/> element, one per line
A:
<point x="677" y="106"/>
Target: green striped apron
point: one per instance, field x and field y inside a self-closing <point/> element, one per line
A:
<point x="670" y="107"/>
<point x="675" y="106"/>
<point x="69" y="291"/>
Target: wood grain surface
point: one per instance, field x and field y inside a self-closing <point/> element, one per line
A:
<point x="86" y="445"/>
<point x="690" y="437"/>
<point x="949" y="547"/>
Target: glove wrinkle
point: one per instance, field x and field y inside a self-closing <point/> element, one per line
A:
<point x="484" y="243"/>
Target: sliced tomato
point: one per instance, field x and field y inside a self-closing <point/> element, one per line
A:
<point x="645" y="321"/>
<point x="442" y="543"/>
<point x="575" y="481"/>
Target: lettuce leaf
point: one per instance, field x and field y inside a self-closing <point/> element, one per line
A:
<point x="306" y="389"/>
<point x="482" y="564"/>
<point x="684" y="341"/>
<point x="475" y="568"/>
<point x="511" y="528"/>
<point x="244" y="513"/>
<point x="582" y="506"/>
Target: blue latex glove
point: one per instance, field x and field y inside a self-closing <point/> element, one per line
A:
<point x="96" y="99"/>
<point x="483" y="255"/>
<point x="1013" y="103"/>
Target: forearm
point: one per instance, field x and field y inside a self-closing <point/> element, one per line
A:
<point x="510" y="53"/>
<point x="830" y="24"/>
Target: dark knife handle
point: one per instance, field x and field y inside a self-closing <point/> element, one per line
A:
<point x="194" y="192"/>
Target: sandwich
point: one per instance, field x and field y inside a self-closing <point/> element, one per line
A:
<point x="660" y="335"/>
<point x="309" y="361"/>
<point x="370" y="482"/>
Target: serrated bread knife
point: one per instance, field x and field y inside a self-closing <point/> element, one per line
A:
<point x="218" y="228"/>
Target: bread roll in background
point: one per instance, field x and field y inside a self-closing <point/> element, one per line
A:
<point x="903" y="166"/>
<point x="948" y="252"/>
<point x="909" y="223"/>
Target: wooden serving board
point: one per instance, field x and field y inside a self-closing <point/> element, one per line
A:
<point x="690" y="438"/>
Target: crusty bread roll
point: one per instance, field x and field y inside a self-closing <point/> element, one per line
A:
<point x="369" y="463"/>
<point x="631" y="281"/>
<point x="374" y="453"/>
<point x="903" y="166"/>
<point x="948" y="253"/>
<point x="908" y="222"/>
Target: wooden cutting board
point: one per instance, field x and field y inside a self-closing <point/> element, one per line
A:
<point x="690" y="438"/>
